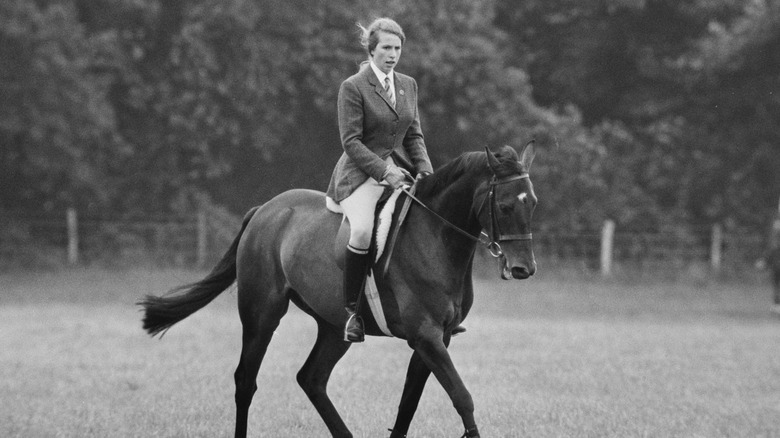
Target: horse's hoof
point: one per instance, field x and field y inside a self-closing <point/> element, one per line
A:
<point x="471" y="433"/>
<point x="394" y="434"/>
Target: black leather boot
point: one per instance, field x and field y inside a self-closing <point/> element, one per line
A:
<point x="355" y="268"/>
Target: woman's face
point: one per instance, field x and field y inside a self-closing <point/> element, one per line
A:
<point x="387" y="51"/>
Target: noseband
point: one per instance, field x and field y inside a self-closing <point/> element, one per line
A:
<point x="491" y="240"/>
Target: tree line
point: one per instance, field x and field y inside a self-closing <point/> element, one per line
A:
<point x="658" y="114"/>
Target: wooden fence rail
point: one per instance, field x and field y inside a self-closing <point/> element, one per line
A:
<point x="200" y="239"/>
<point x="78" y="240"/>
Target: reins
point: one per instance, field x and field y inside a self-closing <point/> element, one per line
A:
<point x="495" y="235"/>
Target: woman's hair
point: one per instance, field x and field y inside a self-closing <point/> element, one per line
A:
<point x="369" y="38"/>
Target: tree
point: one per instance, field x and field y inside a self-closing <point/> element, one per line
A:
<point x="640" y="108"/>
<point x="56" y="126"/>
<point x="732" y="78"/>
<point x="666" y="84"/>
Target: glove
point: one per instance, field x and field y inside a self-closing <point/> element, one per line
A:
<point x="396" y="176"/>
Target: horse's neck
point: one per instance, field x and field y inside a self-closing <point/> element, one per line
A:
<point x="454" y="203"/>
<point x="446" y="251"/>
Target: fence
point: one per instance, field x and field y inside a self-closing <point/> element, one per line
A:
<point x="610" y="249"/>
<point x="170" y="241"/>
<point x="199" y="240"/>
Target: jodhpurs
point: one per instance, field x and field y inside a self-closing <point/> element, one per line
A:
<point x="359" y="208"/>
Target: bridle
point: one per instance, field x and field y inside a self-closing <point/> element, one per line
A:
<point x="490" y="240"/>
<point x="495" y="235"/>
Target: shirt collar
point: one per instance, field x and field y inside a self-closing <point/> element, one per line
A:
<point x="381" y="75"/>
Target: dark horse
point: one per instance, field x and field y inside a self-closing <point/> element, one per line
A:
<point x="285" y="252"/>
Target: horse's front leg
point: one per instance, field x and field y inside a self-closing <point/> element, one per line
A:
<point x="431" y="346"/>
<point x="416" y="376"/>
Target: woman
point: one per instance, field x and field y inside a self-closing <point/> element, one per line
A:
<point x="380" y="131"/>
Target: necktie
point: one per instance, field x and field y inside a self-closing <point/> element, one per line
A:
<point x="389" y="91"/>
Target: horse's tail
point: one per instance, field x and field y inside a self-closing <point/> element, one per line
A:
<point x="161" y="313"/>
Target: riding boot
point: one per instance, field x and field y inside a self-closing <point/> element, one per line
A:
<point x="355" y="268"/>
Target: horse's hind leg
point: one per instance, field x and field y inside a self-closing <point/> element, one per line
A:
<point x="315" y="373"/>
<point x="260" y="312"/>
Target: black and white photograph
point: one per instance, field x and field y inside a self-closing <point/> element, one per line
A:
<point x="397" y="218"/>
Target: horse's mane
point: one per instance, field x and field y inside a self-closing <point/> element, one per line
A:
<point x="470" y="162"/>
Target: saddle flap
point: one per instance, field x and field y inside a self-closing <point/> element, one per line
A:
<point x="342" y="239"/>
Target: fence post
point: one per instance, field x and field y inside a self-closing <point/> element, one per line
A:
<point x="72" y="223"/>
<point x="607" y="243"/>
<point x="202" y="239"/>
<point x="716" y="248"/>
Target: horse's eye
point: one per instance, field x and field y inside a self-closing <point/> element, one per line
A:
<point x="505" y="208"/>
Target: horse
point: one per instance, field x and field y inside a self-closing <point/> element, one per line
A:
<point x="774" y="263"/>
<point x="772" y="260"/>
<point x="285" y="253"/>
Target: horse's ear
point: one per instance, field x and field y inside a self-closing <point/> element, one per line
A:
<point x="528" y="154"/>
<point x="492" y="160"/>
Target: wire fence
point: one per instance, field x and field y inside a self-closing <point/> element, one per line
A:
<point x="198" y="241"/>
<point x="41" y="241"/>
<point x="700" y="251"/>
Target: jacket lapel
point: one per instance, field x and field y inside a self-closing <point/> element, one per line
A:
<point x="380" y="88"/>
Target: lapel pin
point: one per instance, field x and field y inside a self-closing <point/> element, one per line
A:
<point x="401" y="92"/>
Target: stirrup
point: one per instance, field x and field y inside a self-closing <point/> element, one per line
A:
<point x="353" y="337"/>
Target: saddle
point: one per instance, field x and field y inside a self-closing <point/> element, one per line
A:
<point x="385" y="228"/>
<point x="382" y="242"/>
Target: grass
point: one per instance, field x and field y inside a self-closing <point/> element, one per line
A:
<point x="542" y="358"/>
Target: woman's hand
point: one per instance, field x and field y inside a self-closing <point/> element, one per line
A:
<point x="397" y="177"/>
<point x="422" y="175"/>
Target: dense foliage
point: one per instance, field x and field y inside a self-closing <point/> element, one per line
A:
<point x="654" y="113"/>
<point x="681" y="93"/>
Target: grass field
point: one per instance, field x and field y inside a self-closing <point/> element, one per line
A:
<point x="545" y="357"/>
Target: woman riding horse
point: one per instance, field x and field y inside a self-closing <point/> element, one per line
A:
<point x="284" y="253"/>
<point x="379" y="126"/>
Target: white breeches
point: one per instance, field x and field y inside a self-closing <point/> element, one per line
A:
<point x="359" y="208"/>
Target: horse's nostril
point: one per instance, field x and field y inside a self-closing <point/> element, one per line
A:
<point x="520" y="272"/>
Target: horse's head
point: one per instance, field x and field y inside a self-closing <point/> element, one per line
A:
<point x="505" y="206"/>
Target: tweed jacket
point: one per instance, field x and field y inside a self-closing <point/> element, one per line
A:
<point x="371" y="130"/>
